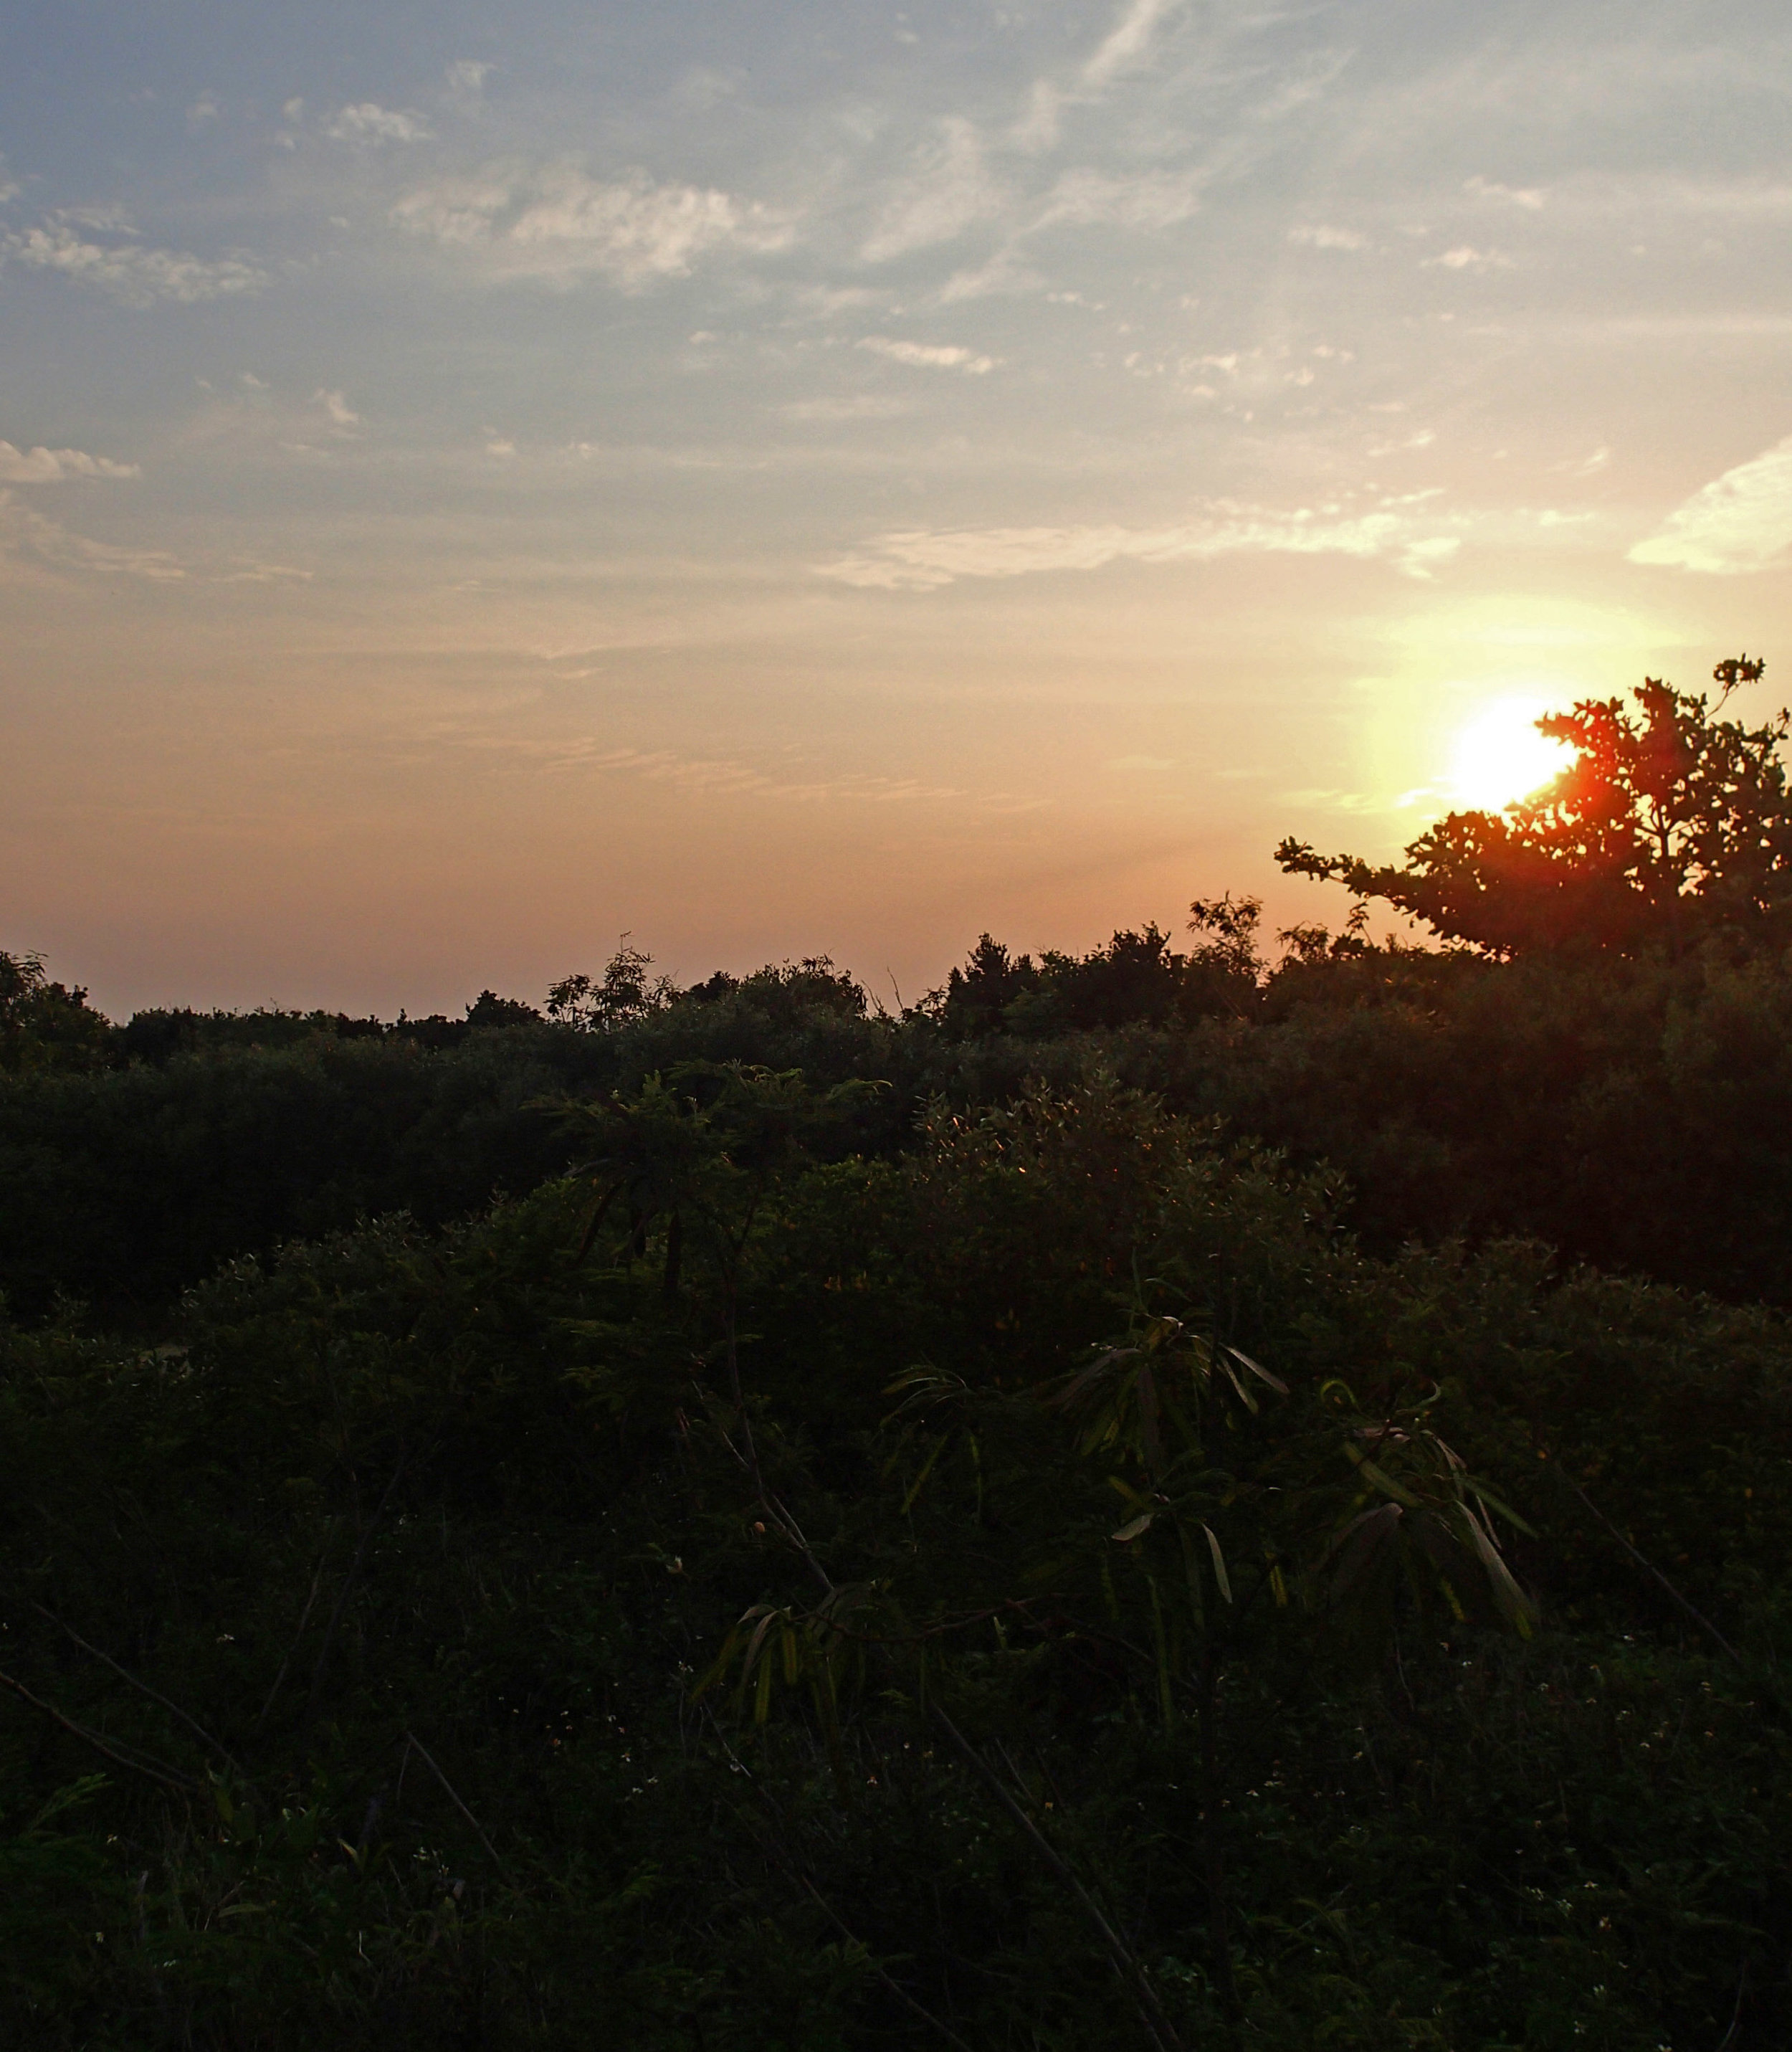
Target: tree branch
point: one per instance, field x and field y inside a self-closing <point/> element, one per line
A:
<point x="169" y="1777"/>
<point x="156" y="1695"/>
<point x="1648" y="1567"/>
<point x="1126" y="1962"/>
<point x="304" y="1619"/>
<point x="824" y="1905"/>
<point x="428" y="1760"/>
<point x="348" y="1584"/>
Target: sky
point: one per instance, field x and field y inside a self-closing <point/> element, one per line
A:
<point x="780" y="479"/>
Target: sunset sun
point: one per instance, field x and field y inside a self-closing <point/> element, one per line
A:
<point x="1498" y="754"/>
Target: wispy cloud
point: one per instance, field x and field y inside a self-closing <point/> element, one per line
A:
<point x="1153" y="200"/>
<point x="344" y="421"/>
<point x="1465" y="256"/>
<point x="370" y="123"/>
<point x="128" y="270"/>
<point x="930" y="355"/>
<point x="1127" y="43"/>
<point x="28" y="538"/>
<point x="858" y="406"/>
<point x="789" y="781"/>
<point x="725" y="776"/>
<point x="1007" y="271"/>
<point x="948" y="188"/>
<point x="1318" y="237"/>
<point x="1041" y="120"/>
<point x="1128" y="46"/>
<point x="923" y="559"/>
<point x="1146" y="202"/>
<point x="556" y="222"/>
<point x="49" y="466"/>
<point x="1739" y="521"/>
<point x="1530" y="197"/>
<point x="465" y="80"/>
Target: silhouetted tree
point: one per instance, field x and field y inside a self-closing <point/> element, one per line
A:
<point x="626" y="990"/>
<point x="46" y="1025"/>
<point x="488" y="1009"/>
<point x="1669" y="823"/>
<point x="977" y="997"/>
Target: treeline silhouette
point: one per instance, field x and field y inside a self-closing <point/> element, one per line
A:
<point x="1629" y="1111"/>
<point x="1228" y="1490"/>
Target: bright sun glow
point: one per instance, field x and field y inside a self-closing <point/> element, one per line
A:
<point x="1500" y="755"/>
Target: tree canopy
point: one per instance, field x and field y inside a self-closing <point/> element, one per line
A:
<point x="1670" y="823"/>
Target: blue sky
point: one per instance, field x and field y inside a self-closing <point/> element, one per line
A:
<point x="476" y="481"/>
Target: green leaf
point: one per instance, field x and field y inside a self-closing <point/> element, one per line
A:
<point x="1132" y="1530"/>
<point x="926" y="1469"/>
<point x="66" y="1798"/>
<point x="1483" y="1495"/>
<point x="767" y="1615"/>
<point x="1166" y="1699"/>
<point x="1357" y="1544"/>
<point x="1383" y="1481"/>
<point x="1244" y="1395"/>
<point x="1518" y="1607"/>
<point x="719" y="1667"/>
<point x="1259" y="1370"/>
<point x="1219" y="1573"/>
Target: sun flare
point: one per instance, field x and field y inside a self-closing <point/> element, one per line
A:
<point x="1498" y="755"/>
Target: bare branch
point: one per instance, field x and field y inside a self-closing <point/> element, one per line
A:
<point x="821" y="1902"/>
<point x="1126" y="1962"/>
<point x="169" y="1777"/>
<point x="894" y="1987"/>
<point x="304" y="1619"/>
<point x="349" y="1581"/>
<point x="156" y="1695"/>
<point x="428" y="1760"/>
<point x="1648" y="1567"/>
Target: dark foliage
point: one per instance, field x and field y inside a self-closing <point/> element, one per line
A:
<point x="1627" y="1111"/>
<point x="44" y="1025"/>
<point x="1103" y="1511"/>
<point x="355" y="1634"/>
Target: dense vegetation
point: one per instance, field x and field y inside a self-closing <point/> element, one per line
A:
<point x="1153" y="1499"/>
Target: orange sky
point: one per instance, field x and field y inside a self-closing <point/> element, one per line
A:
<point x="463" y="497"/>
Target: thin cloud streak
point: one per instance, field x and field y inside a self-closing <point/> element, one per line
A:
<point x="930" y="356"/>
<point x="1129" y="42"/>
<point x="925" y="560"/>
<point x="29" y="540"/>
<point x="715" y="776"/>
